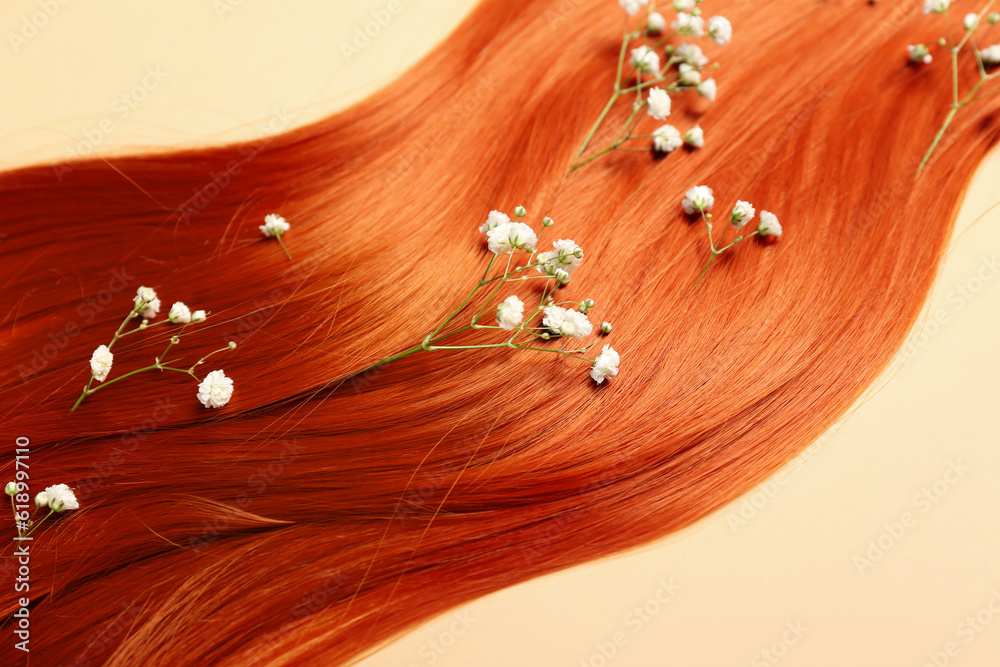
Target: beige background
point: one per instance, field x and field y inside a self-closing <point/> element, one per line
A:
<point x="784" y="557"/>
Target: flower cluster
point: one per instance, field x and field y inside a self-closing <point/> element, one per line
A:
<point x="699" y="200"/>
<point x="213" y="392"/>
<point x="514" y="245"/>
<point x="682" y="68"/>
<point x="986" y="59"/>
<point x="58" y="498"/>
<point x="275" y="226"/>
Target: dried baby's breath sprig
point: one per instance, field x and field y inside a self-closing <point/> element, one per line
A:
<point x="986" y="58"/>
<point x="102" y="359"/>
<point x="57" y="498"/>
<point x="681" y="70"/>
<point x="699" y="200"/>
<point x="515" y="259"/>
<point x="274" y="225"/>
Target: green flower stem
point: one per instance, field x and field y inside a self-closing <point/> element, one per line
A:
<point x="156" y="366"/>
<point x="17" y="523"/>
<point x="282" y="243"/>
<point x="40" y="522"/>
<point x="614" y="95"/>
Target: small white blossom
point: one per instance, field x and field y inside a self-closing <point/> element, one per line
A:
<point x="667" y="139"/>
<point x="274" y="225"/>
<point x="494" y="219"/>
<point x="938" y="6"/>
<point x="689" y="76"/>
<point x="685" y="5"/>
<point x="215" y="390"/>
<point x="698" y="199"/>
<point x="645" y="59"/>
<point x="695" y="137"/>
<point x="971" y="21"/>
<point x="569" y="323"/>
<point x="720" y="29"/>
<point x="656" y="24"/>
<point x="510" y="313"/>
<point x="605" y="365"/>
<point x="742" y="213"/>
<point x="563" y="256"/>
<point x="146" y="294"/>
<point x="42" y="499"/>
<point x="688" y="24"/>
<point x="991" y="55"/>
<point x="769" y="225"/>
<point x="100" y="362"/>
<point x="659" y="103"/>
<point x="179" y="313"/>
<point x="707" y="89"/>
<point x="60" y="497"/>
<point x="11" y="488"/>
<point x="632" y="6"/>
<point x="510" y="236"/>
<point x="918" y="54"/>
<point x="691" y="54"/>
<point x="198" y="316"/>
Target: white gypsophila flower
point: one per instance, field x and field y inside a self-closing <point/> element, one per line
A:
<point x="179" y="313"/>
<point x="509" y="236"/>
<point x="100" y="362"/>
<point x="919" y="54"/>
<point x="991" y="55"/>
<point x="632" y="6"/>
<point x="689" y="75"/>
<point x="146" y="294"/>
<point x="742" y="213"/>
<point x="656" y="24"/>
<point x="695" y="137"/>
<point x="198" y="316"/>
<point x="645" y="59"/>
<point x="685" y="5"/>
<point x="494" y="219"/>
<point x="688" y="24"/>
<point x="568" y="323"/>
<point x="691" y="54"/>
<point x="60" y="497"/>
<point x="698" y="199"/>
<point x="720" y="30"/>
<point x="151" y="310"/>
<point x="708" y="89"/>
<point x="274" y="225"/>
<point x="510" y="313"/>
<point x="769" y="225"/>
<point x="42" y="499"/>
<point x="667" y="139"/>
<point x="215" y="390"/>
<point x="564" y="255"/>
<point x="605" y="365"/>
<point x="937" y="6"/>
<point x="659" y="103"/>
<point x="971" y="21"/>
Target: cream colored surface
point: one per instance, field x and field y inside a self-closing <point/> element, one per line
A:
<point x="777" y="571"/>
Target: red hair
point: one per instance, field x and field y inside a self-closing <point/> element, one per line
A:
<point x="324" y="511"/>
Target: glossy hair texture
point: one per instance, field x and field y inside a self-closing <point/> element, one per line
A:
<point x="323" y="512"/>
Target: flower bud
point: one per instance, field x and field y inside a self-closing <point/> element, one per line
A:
<point x="547" y="222"/>
<point x="57" y="505"/>
<point x="971" y="22"/>
<point x="562" y="276"/>
<point x="520" y="211"/>
<point x="589" y="303"/>
<point x="42" y="499"/>
<point x="578" y="252"/>
<point x="606" y="327"/>
<point x="232" y="345"/>
<point x="994" y="18"/>
<point x="11" y="488"/>
<point x="198" y="316"/>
